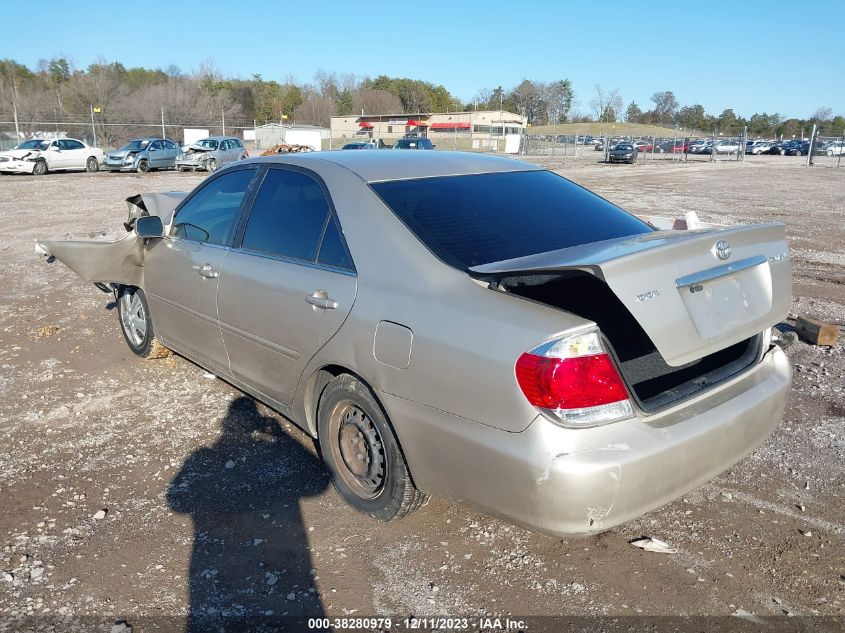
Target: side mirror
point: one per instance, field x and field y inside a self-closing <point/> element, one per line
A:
<point x="149" y="226"/>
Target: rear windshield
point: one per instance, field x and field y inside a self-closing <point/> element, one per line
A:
<point x="467" y="221"/>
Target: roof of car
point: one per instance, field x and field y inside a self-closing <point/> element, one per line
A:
<point x="220" y="138"/>
<point x="398" y="165"/>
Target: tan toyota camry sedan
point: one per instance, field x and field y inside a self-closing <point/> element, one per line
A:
<point x="454" y="324"/>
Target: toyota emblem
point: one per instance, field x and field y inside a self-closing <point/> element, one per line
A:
<point x="722" y="249"/>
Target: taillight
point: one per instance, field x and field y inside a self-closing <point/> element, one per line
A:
<point x="573" y="380"/>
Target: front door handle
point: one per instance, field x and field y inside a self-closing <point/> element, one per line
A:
<point x="320" y="300"/>
<point x="207" y="271"/>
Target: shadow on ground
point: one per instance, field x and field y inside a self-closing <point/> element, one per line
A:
<point x="250" y="561"/>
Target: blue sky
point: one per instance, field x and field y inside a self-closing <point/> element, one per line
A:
<point x="753" y="56"/>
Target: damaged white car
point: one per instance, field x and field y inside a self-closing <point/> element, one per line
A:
<point x="210" y="153"/>
<point x="38" y="156"/>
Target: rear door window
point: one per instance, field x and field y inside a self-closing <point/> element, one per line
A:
<point x="288" y="216"/>
<point x="210" y="215"/>
<point x="471" y="220"/>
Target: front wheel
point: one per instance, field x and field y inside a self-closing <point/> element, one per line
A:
<point x="143" y="167"/>
<point x="40" y="168"/>
<point x="135" y="321"/>
<point x="361" y="452"/>
<point x="91" y="165"/>
<point x="211" y="165"/>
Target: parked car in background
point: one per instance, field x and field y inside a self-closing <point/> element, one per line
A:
<point x="835" y="148"/>
<point x="644" y="146"/>
<point x="623" y="153"/>
<point x="727" y="146"/>
<point x="358" y="145"/>
<point x="797" y="148"/>
<point x="700" y="147"/>
<point x="417" y="142"/>
<point x="211" y="153"/>
<point x="569" y="368"/>
<point x="759" y="147"/>
<point x="143" y="155"/>
<point x="38" y="156"/>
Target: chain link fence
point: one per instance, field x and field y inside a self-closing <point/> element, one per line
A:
<point x="824" y="147"/>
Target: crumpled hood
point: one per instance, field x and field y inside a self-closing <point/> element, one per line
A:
<point x="20" y="154"/>
<point x="121" y="153"/>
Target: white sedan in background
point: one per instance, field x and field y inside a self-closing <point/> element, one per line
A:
<point x="38" y="156"/>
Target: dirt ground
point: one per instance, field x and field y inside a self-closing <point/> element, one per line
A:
<point x="135" y="489"/>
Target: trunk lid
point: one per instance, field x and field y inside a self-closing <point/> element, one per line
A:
<point x="693" y="292"/>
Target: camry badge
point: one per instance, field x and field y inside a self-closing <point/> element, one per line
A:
<point x="722" y="249"/>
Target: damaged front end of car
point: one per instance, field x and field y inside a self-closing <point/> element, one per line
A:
<point x="19" y="162"/>
<point x="114" y="260"/>
<point x="196" y="157"/>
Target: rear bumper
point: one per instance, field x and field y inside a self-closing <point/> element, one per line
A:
<point x="579" y="481"/>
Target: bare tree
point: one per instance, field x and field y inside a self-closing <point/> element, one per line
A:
<point x="821" y="115"/>
<point x="374" y="101"/>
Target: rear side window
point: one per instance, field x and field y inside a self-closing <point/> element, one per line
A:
<point x="210" y="214"/>
<point x="471" y="220"/>
<point x="332" y="249"/>
<point x="288" y="216"/>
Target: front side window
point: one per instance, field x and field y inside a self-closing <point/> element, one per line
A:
<point x="288" y="216"/>
<point x="210" y="215"/>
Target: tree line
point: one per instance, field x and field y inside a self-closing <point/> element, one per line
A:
<point x="56" y="91"/>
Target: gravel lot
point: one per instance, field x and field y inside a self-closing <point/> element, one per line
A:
<point x="134" y="489"/>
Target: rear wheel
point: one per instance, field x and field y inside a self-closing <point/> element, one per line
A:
<point x="91" y="165"/>
<point x="361" y="452"/>
<point x="40" y="167"/>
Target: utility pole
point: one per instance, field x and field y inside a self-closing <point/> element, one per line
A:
<point x="15" y="109"/>
<point x="93" y="129"/>
<point x="163" y="134"/>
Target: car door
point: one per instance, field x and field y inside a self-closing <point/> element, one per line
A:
<point x="156" y="154"/>
<point x="288" y="286"/>
<point x="171" y="151"/>
<point x="75" y="154"/>
<point x="55" y="155"/>
<point x="181" y="270"/>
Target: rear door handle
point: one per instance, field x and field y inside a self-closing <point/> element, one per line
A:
<point x="320" y="300"/>
<point x="207" y="271"/>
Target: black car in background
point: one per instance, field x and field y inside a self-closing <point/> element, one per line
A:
<point x="623" y="153"/>
<point x="797" y="148"/>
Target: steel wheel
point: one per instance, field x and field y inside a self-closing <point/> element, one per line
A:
<point x="143" y="167"/>
<point x="358" y="449"/>
<point x="133" y="317"/>
<point x="92" y="165"/>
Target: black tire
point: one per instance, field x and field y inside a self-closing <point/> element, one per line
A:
<point x="349" y="418"/>
<point x="91" y="165"/>
<point x="143" y="167"/>
<point x="40" y="168"/>
<point x="211" y="165"/>
<point x="133" y="301"/>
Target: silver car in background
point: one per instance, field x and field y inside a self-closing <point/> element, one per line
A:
<point x="463" y="325"/>
<point x="211" y="153"/>
<point x="143" y="155"/>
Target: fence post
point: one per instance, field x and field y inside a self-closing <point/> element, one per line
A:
<point x="841" y="147"/>
<point x="163" y="135"/>
<point x="812" y="145"/>
<point x="93" y="129"/>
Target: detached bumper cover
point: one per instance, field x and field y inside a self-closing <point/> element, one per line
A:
<point x="580" y="481"/>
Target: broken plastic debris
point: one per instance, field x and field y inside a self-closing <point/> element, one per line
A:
<point x="653" y="545"/>
<point x="209" y="376"/>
